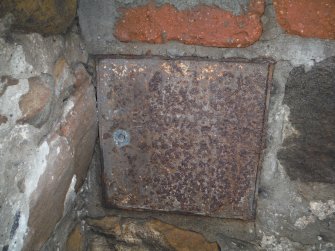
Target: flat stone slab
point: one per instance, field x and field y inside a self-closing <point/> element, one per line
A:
<point x="182" y="135"/>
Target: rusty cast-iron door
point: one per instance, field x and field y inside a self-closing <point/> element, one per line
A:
<point x="182" y="135"/>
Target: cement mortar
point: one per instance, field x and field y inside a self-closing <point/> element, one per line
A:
<point x="235" y="6"/>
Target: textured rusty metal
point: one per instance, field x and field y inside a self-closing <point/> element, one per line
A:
<point x="182" y="135"/>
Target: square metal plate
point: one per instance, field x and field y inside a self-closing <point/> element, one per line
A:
<point x="182" y="135"/>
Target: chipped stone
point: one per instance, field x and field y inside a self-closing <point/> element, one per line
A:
<point x="35" y="104"/>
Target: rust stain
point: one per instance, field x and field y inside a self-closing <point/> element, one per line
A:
<point x="201" y="25"/>
<point x="195" y="130"/>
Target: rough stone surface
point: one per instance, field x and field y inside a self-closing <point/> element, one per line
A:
<point x="3" y="119"/>
<point x="47" y="17"/>
<point x="291" y="214"/>
<point x="69" y="232"/>
<point x="64" y="79"/>
<point x="79" y="126"/>
<point x="132" y="234"/>
<point x="68" y="165"/>
<point x="5" y="82"/>
<point x="75" y="240"/>
<point x="307" y="18"/>
<point x="35" y="105"/>
<point x="308" y="152"/>
<point x="201" y="25"/>
<point x="46" y="210"/>
<point x="39" y="171"/>
<point x="180" y="239"/>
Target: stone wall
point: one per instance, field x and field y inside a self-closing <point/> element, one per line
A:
<point x="48" y="129"/>
<point x="295" y="199"/>
<point x="52" y="200"/>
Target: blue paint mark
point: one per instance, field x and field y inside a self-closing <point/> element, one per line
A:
<point x="121" y="138"/>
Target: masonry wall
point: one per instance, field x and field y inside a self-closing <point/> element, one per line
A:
<point x="48" y="121"/>
<point x="295" y="199"/>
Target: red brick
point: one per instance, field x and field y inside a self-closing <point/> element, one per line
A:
<point x="201" y="25"/>
<point x="307" y="18"/>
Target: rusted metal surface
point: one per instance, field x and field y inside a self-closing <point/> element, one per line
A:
<point x="182" y="135"/>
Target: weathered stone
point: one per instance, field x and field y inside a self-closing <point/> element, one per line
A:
<point x="47" y="17"/>
<point x="35" y="105"/>
<point x="3" y="119"/>
<point x="307" y="18"/>
<point x="202" y="25"/>
<point x="110" y="225"/>
<point x="181" y="240"/>
<point x="233" y="244"/>
<point x="98" y="243"/>
<point x="79" y="125"/>
<point x="131" y="234"/>
<point x="5" y="24"/>
<point x="82" y="77"/>
<point x="15" y="149"/>
<point x="37" y="177"/>
<point x="308" y="152"/>
<point x="75" y="48"/>
<point x="47" y="210"/>
<point x="279" y="202"/>
<point x="64" y="79"/>
<point x="85" y="149"/>
<point x="6" y="81"/>
<point x="78" y="131"/>
<point x="75" y="240"/>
